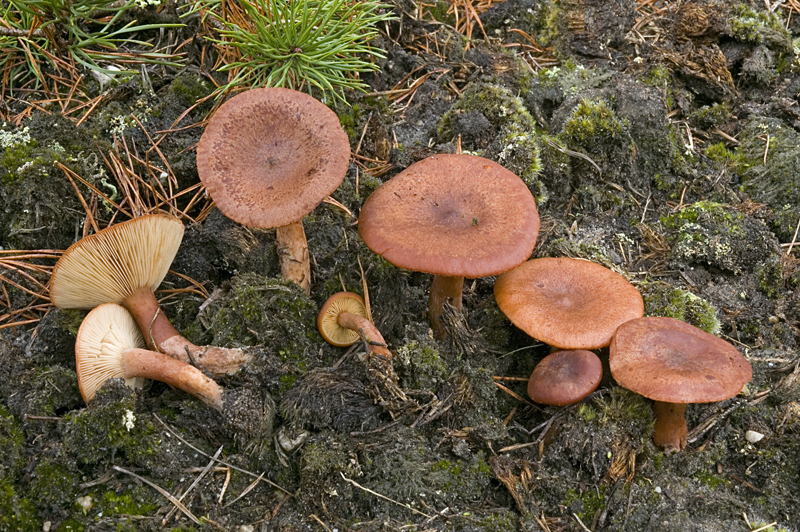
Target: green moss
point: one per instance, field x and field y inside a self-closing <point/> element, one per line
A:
<point x="585" y="504"/>
<point x="420" y="366"/>
<point x="758" y="27"/>
<point x="136" y="501"/>
<point x="586" y="412"/>
<point x="722" y="157"/>
<point x="591" y="124"/>
<point x="96" y="435"/>
<point x="275" y="312"/>
<point x="12" y="459"/>
<point x="499" y="522"/>
<point x="54" y="483"/>
<point x="657" y="75"/>
<point x="661" y="299"/>
<point x="17" y="514"/>
<point x="711" y="116"/>
<point x="711" y="480"/>
<point x="516" y="145"/>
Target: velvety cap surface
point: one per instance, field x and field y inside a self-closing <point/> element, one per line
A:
<point x="110" y="265"/>
<point x="453" y="214"/>
<point x="269" y="156"/>
<point x="671" y="361"/>
<point x="567" y="303"/>
<point x="565" y="377"/>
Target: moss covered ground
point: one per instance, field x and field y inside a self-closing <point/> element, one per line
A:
<point x="661" y="144"/>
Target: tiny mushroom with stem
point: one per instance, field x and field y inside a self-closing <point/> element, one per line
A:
<point x="674" y="364"/>
<point x="565" y="377"/>
<point x="110" y="345"/>
<point x="124" y="264"/>
<point x="342" y="321"/>
<point x="455" y="216"/>
<point x="567" y="303"/>
<point x="268" y="157"/>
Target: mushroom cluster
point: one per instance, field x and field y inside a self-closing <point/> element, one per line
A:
<point x="577" y="305"/>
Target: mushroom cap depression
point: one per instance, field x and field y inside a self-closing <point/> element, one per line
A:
<point x="327" y="320"/>
<point x="453" y="214"/>
<point x="565" y="377"/>
<point x="269" y="156"/>
<point x="111" y="264"/>
<point x="567" y="303"/>
<point x="104" y="334"/>
<point x="670" y="361"/>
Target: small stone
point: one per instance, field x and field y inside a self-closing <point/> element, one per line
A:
<point x="753" y="436"/>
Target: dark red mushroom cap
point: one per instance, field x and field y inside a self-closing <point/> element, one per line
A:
<point x="670" y="361"/>
<point x="269" y="156"/>
<point x="567" y="303"/>
<point x="453" y="214"/>
<point x="565" y="377"/>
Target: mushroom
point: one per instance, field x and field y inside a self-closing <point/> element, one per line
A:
<point x="342" y="321"/>
<point x="567" y="303"/>
<point x="110" y="345"/>
<point x="123" y="264"/>
<point x="455" y="216"/>
<point x="674" y="363"/>
<point x="565" y="377"/>
<point x="268" y="157"/>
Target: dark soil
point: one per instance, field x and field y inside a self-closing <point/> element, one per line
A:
<point x="665" y="149"/>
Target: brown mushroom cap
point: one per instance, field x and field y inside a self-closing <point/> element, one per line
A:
<point x="455" y="215"/>
<point x="327" y="319"/>
<point x="670" y="361"/>
<point x="269" y="156"/>
<point x="110" y="265"/>
<point x="567" y="303"/>
<point x="565" y="377"/>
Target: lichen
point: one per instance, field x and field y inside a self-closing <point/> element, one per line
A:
<point x="661" y="299"/>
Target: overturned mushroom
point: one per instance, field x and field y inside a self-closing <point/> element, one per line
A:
<point x="342" y="321"/>
<point x="109" y="345"/>
<point x="124" y="264"/>
<point x="268" y="157"/>
<point x="455" y="216"/>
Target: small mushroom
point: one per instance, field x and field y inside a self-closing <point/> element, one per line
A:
<point x="567" y="303"/>
<point x="342" y="321"/>
<point x="268" y="157"/>
<point x="109" y="345"/>
<point x="674" y="364"/>
<point x="124" y="264"/>
<point x="455" y="216"/>
<point x="565" y="377"/>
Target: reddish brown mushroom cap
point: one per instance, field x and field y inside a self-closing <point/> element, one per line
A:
<point x="269" y="156"/>
<point x="567" y="303"/>
<point x="454" y="215"/>
<point x="670" y="361"/>
<point x="565" y="377"/>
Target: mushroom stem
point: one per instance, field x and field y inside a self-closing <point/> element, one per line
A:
<point x="443" y="289"/>
<point x="161" y="336"/>
<point x="157" y="366"/>
<point x="671" y="431"/>
<point x="293" y="254"/>
<point x="375" y="343"/>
